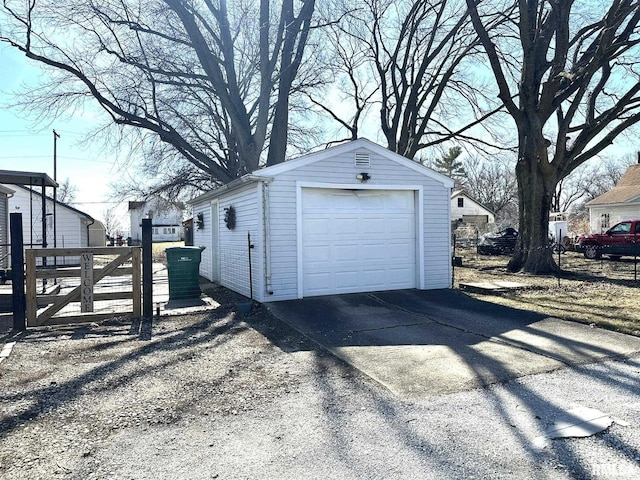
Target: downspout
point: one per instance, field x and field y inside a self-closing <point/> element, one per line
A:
<point x="88" y="235"/>
<point x="267" y="237"/>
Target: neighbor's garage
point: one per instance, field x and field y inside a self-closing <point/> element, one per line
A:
<point x="357" y="240"/>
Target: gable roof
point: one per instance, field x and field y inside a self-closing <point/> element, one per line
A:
<point x="461" y="191"/>
<point x="626" y="190"/>
<point x="267" y="173"/>
<point x="58" y="203"/>
<point x="360" y="143"/>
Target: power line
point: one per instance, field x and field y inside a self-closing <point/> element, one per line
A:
<point x="46" y="157"/>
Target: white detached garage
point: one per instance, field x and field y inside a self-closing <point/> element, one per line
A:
<point x="351" y="218"/>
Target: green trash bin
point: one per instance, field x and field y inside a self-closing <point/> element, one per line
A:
<point x="183" y="266"/>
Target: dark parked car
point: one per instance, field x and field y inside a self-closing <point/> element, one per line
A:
<point x="498" y="243"/>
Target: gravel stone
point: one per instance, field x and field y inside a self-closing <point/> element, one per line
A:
<point x="230" y="396"/>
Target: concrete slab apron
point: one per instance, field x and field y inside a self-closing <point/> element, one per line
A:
<point x="424" y="345"/>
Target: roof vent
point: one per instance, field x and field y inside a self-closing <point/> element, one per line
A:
<point x="363" y="159"/>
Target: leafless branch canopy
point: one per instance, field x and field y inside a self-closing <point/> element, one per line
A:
<point x="212" y="82"/>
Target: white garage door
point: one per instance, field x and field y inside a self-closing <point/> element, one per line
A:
<point x="357" y="241"/>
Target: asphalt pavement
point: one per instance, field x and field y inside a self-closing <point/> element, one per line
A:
<point x="419" y="343"/>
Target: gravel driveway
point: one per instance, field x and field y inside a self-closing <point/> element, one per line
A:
<point x="219" y="395"/>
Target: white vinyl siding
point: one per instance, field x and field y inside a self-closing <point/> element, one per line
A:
<point x="341" y="170"/>
<point x="163" y="217"/>
<point x="617" y="213"/>
<point x="469" y="209"/>
<point x="233" y="248"/>
<point x="203" y="238"/>
<point x="71" y="225"/>
<point x="281" y="187"/>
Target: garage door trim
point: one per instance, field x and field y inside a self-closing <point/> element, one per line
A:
<point x="419" y="224"/>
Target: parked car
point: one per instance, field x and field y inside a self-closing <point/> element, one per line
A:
<point x="623" y="239"/>
<point x="498" y="243"/>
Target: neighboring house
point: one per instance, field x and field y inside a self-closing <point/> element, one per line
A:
<point x="72" y="225"/>
<point x="465" y="209"/>
<point x="166" y="219"/>
<point x="5" y="193"/>
<point x="352" y="218"/>
<point x="620" y="203"/>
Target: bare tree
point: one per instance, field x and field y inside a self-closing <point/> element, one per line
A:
<point x="66" y="192"/>
<point x="212" y="82"/>
<point x="112" y="223"/>
<point x="493" y="183"/>
<point x="563" y="73"/>
<point x="348" y="97"/>
<point x="419" y="56"/>
<point x="588" y="182"/>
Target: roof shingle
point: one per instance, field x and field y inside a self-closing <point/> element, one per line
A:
<point x="627" y="189"/>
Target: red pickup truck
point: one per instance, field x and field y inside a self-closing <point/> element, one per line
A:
<point x="623" y="239"/>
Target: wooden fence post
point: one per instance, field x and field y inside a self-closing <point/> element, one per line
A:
<point x="17" y="273"/>
<point x="147" y="272"/>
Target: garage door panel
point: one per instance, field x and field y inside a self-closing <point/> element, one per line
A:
<point x="345" y="226"/>
<point x="398" y="276"/>
<point x="316" y="226"/>
<point x="374" y="252"/>
<point x="346" y="253"/>
<point x="374" y="279"/>
<point x="401" y="251"/>
<point x="357" y="241"/>
<point x="316" y="284"/>
<point x="347" y="279"/>
<point x="401" y="224"/>
<point x="318" y="254"/>
<point x="375" y="225"/>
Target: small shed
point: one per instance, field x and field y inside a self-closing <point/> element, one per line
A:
<point x="618" y="204"/>
<point x="352" y="218"/>
<point x="466" y="209"/>
<point x="97" y="234"/>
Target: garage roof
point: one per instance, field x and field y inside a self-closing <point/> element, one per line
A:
<point x="267" y="174"/>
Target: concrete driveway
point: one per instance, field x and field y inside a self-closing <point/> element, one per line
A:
<point x="419" y="343"/>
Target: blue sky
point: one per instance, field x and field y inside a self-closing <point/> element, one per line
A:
<point x="28" y="147"/>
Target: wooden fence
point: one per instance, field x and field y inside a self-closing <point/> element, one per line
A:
<point x="45" y="308"/>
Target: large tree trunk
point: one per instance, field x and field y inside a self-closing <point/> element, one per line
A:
<point x="535" y="192"/>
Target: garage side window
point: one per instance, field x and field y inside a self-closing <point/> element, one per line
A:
<point x="460" y="202"/>
<point x="604" y="221"/>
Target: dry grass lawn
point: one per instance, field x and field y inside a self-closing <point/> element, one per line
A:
<point x="158" y="250"/>
<point x="601" y="292"/>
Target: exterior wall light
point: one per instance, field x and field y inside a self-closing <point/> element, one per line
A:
<point x="363" y="177"/>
